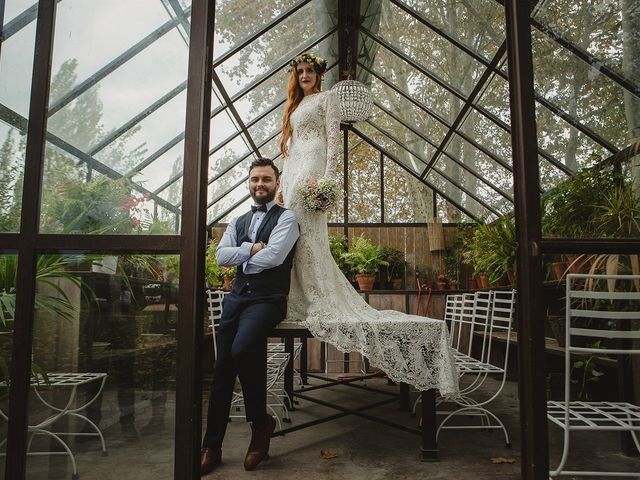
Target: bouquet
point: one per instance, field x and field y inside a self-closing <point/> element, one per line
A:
<point x="318" y="195"/>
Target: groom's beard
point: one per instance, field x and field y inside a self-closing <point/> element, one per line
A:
<point x="264" y="198"/>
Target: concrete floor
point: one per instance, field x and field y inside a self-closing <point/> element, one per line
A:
<point x="365" y="450"/>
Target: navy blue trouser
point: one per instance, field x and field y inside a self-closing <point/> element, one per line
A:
<point x="242" y="351"/>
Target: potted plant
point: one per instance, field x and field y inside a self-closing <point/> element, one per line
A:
<point x="228" y="275"/>
<point x="363" y="258"/>
<point x="493" y="250"/>
<point x="441" y="282"/>
<point x="393" y="274"/>
<point x="338" y="245"/>
<point x="213" y="273"/>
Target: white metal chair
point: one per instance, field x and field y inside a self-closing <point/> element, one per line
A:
<point x="593" y="312"/>
<point x="464" y="314"/>
<point x="276" y="364"/>
<point x="492" y="313"/>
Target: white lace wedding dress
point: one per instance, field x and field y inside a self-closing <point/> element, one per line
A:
<point x="408" y="348"/>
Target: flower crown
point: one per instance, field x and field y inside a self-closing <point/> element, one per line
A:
<point x="319" y="63"/>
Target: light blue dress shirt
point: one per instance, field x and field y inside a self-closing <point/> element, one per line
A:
<point x="282" y="239"/>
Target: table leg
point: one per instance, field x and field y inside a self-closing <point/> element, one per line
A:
<point x="429" y="447"/>
<point x="288" y="371"/>
<point x="303" y="361"/>
<point x="404" y="398"/>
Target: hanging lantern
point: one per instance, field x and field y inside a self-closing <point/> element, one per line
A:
<point x="356" y="101"/>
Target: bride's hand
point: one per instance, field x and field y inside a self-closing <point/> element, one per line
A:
<point x="280" y="199"/>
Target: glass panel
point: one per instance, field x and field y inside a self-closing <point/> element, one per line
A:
<point x="364" y="190"/>
<point x="487" y="168"/>
<point x="406" y="199"/>
<point x="403" y="135"/>
<point x="162" y="169"/>
<point x="104" y="334"/>
<point x="236" y="21"/>
<point x="566" y="143"/>
<point x="442" y="58"/>
<point x="471" y="183"/>
<point x="405" y="110"/>
<point x="447" y="213"/>
<point x="229" y="180"/>
<point x="222" y="127"/>
<point x="101" y="205"/>
<point x="459" y="196"/>
<point x="581" y="91"/>
<point x="550" y="175"/>
<point x="223" y="158"/>
<point x="415" y="84"/>
<point x="124" y="93"/>
<point x="16" y="69"/>
<point x="261" y="99"/>
<point x="12" y="8"/>
<point x="76" y="197"/>
<point x="495" y="98"/>
<point x="487" y="134"/>
<point x="91" y="45"/>
<point x="599" y="28"/>
<point x="279" y="44"/>
<point x="271" y="149"/>
<point x="399" y="154"/>
<point x="238" y="194"/>
<point x="12" y="152"/>
<point x="153" y="133"/>
<point x="479" y="25"/>
<point x="267" y="126"/>
<point x="8" y="283"/>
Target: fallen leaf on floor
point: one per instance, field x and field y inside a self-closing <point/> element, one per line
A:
<point x="328" y="454"/>
<point x="497" y="460"/>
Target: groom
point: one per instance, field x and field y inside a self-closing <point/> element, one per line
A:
<point x="261" y="244"/>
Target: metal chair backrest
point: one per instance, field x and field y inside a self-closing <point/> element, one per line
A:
<point x="503" y="304"/>
<point x="599" y="314"/>
<point x="452" y="316"/>
<point x="214" y="307"/>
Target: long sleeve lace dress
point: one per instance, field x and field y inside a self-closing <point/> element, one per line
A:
<point x="407" y="348"/>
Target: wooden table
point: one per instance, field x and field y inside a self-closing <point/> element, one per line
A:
<point x="292" y="330"/>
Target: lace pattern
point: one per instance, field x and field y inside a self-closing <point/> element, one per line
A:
<point x="408" y="348"/>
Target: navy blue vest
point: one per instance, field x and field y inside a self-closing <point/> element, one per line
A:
<point x="272" y="282"/>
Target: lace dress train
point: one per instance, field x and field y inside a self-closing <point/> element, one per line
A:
<point x="408" y="348"/>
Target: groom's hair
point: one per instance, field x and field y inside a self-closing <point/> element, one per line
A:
<point x="264" y="162"/>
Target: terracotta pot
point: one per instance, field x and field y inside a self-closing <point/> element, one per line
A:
<point x="396" y="283"/>
<point x="366" y="280"/>
<point x="511" y="276"/>
<point x="558" y="270"/>
<point x="471" y="283"/>
<point x="227" y="283"/>
<point x="441" y="286"/>
<point x="483" y="280"/>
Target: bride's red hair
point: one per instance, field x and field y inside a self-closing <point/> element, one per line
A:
<point x="294" y="97"/>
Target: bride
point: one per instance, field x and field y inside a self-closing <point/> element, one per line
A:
<point x="407" y="348"/>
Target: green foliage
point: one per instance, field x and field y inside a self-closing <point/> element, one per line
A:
<point x="338" y="245"/>
<point x="493" y="248"/>
<point x="584" y="372"/>
<point x="363" y="256"/>
<point x="50" y="268"/>
<point x="397" y="264"/>
<point x="213" y="272"/>
<point x="569" y="209"/>
<point x="99" y="206"/>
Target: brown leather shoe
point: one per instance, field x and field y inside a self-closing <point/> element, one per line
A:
<point x="209" y="459"/>
<point x="259" y="446"/>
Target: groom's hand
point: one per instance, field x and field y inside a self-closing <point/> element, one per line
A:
<point x="257" y="247"/>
